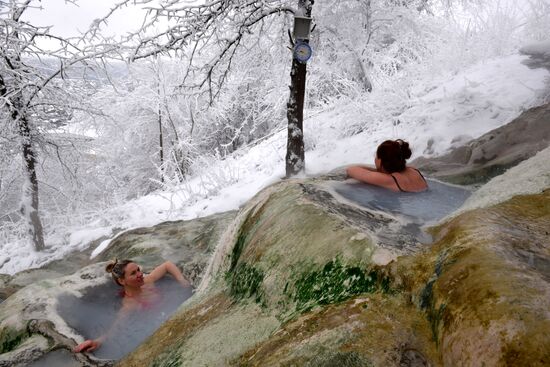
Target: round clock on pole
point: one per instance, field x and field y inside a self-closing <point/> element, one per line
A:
<point x="302" y="51"/>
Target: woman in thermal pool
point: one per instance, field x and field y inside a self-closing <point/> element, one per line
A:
<point x="391" y="170"/>
<point x="138" y="291"/>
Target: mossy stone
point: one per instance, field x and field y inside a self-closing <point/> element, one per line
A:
<point x="331" y="283"/>
<point x="10" y="338"/>
<point x="245" y="281"/>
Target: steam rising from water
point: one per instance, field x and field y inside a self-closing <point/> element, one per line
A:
<point x="94" y="313"/>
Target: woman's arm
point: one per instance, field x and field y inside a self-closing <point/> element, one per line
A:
<point x="364" y="166"/>
<point x="371" y="177"/>
<point x="92" y="344"/>
<point x="162" y="269"/>
<point x="89" y="345"/>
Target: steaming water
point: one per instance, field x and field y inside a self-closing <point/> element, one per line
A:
<point x="428" y="206"/>
<point x="57" y="358"/>
<point x="95" y="313"/>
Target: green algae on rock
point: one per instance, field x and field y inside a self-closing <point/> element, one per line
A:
<point x="489" y="295"/>
<point x="478" y="295"/>
<point x="11" y="338"/>
<point x="289" y="233"/>
<point x="245" y="281"/>
<point x="332" y="283"/>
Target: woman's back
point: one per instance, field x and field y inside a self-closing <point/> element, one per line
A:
<point x="409" y="180"/>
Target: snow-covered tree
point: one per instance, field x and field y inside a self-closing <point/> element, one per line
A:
<point x="210" y="35"/>
<point x="34" y="96"/>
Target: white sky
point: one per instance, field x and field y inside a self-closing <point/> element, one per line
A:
<point x="68" y="19"/>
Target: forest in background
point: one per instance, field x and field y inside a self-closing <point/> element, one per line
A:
<point x="110" y="119"/>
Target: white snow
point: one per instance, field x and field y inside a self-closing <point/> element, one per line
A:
<point x="80" y="238"/>
<point x="529" y="177"/>
<point x="102" y="246"/>
<point x="439" y="113"/>
<point x="471" y="103"/>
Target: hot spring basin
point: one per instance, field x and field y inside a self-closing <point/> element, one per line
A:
<point x="57" y="358"/>
<point x="94" y="313"/>
<point x="415" y="209"/>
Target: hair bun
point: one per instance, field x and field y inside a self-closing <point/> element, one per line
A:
<point x="405" y="150"/>
<point x="109" y="268"/>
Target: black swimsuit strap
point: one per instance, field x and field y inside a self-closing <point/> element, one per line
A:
<point x="397" y="183"/>
<point x="420" y="173"/>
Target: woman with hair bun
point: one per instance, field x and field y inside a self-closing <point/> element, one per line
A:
<point x="138" y="292"/>
<point x="391" y="170"/>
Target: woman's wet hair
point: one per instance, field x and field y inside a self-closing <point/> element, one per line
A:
<point x="393" y="155"/>
<point x="116" y="269"/>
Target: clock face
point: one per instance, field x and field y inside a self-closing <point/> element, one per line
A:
<point x="302" y="52"/>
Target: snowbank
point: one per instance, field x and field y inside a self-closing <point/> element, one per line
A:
<point x="440" y="113"/>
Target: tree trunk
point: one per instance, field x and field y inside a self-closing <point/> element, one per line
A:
<point x="29" y="200"/>
<point x="295" y="156"/>
<point x="29" y="205"/>
<point x="159" y="107"/>
<point x="161" y="145"/>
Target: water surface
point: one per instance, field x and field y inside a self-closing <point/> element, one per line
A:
<point x="57" y="358"/>
<point x="416" y="209"/>
<point x="95" y="313"/>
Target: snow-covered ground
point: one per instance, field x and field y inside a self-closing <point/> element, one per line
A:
<point x="441" y="113"/>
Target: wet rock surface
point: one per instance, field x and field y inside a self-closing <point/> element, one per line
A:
<point x="486" y="299"/>
<point x="368" y="221"/>
<point x="57" y="268"/>
<point x="539" y="55"/>
<point x="5" y="289"/>
<point x="493" y="153"/>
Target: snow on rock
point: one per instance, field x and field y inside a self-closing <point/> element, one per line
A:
<point x="83" y="237"/>
<point x="99" y="249"/>
<point x="529" y="177"/>
<point x="538" y="48"/>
